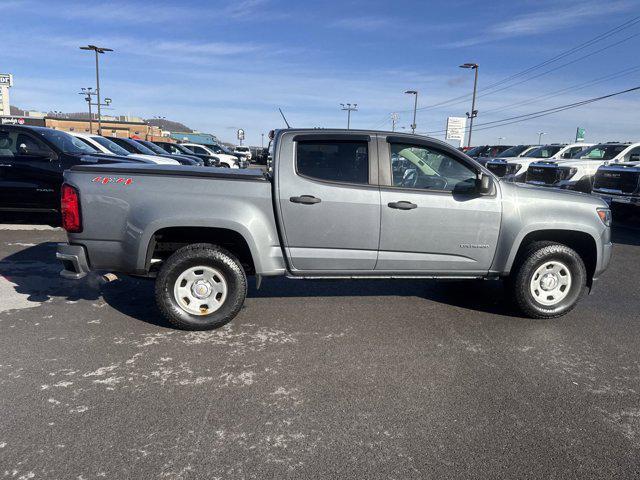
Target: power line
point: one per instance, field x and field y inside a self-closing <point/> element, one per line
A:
<point x="628" y="24"/>
<point x="542" y="113"/>
<point x="612" y="76"/>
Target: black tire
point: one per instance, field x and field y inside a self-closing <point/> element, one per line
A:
<point x="535" y="256"/>
<point x="201" y="254"/>
<point x="224" y="165"/>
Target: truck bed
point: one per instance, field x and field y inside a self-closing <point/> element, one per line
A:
<point x="123" y="207"/>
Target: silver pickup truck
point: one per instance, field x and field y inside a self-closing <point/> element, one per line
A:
<point x="333" y="204"/>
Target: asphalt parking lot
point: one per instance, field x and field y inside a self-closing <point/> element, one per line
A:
<point x="368" y="379"/>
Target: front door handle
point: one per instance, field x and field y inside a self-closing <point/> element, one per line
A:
<point x="305" y="199"/>
<point x="5" y="165"/>
<point x="402" y="205"/>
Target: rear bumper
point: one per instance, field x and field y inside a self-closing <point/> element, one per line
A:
<point x="74" y="261"/>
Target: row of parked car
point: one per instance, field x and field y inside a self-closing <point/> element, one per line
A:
<point x="609" y="170"/>
<point x="33" y="159"/>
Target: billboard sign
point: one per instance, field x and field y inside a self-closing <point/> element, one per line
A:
<point x="15" y="120"/>
<point x="6" y="80"/>
<point x="580" y="134"/>
<point x="455" y="128"/>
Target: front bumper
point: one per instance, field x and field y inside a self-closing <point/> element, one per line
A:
<point x="74" y="261"/>
<point x="612" y="198"/>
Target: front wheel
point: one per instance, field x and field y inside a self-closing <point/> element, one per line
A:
<point x="549" y="280"/>
<point x="201" y="287"/>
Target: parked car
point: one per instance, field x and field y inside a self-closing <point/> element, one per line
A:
<point x="108" y="147"/>
<point x="331" y="209"/>
<point x="32" y="160"/>
<point x="243" y="151"/>
<point x="132" y="146"/>
<point x="184" y="158"/>
<point x="618" y="184"/>
<point x="515" y="168"/>
<point x="226" y="160"/>
<point x="577" y="173"/>
<point x="208" y="159"/>
<point x="483" y="153"/>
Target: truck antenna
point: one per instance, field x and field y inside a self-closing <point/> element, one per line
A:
<point x="284" y="118"/>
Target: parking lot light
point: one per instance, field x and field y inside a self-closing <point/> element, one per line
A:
<point x="415" y="108"/>
<point x="98" y="50"/>
<point x="474" y="112"/>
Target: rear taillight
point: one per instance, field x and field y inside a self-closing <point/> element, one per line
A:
<point x="70" y="209"/>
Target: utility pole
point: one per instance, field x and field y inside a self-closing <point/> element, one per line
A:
<point x="415" y="108"/>
<point x="540" y="134"/>
<point x="98" y="50"/>
<point x="262" y="140"/>
<point x="394" y="119"/>
<point x="88" y="92"/>
<point x="474" y="112"/>
<point x="349" y="108"/>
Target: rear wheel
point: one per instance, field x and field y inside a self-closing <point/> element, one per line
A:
<point x="200" y="287"/>
<point x="549" y="280"/>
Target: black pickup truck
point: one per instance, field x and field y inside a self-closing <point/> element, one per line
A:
<point x="32" y="160"/>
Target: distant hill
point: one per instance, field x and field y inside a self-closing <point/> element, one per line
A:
<point x="164" y="124"/>
<point x="169" y="125"/>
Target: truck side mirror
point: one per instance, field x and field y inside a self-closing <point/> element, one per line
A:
<point x="484" y="184"/>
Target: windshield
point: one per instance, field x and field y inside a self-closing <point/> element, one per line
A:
<point x="545" y="151"/>
<point x="111" y="146"/>
<point x="602" y="152"/>
<point x="183" y="149"/>
<point x="219" y="149"/>
<point x="66" y="143"/>
<point x="475" y="151"/>
<point x="514" y="151"/>
<point x="242" y="149"/>
<point x="153" y="147"/>
<point x="140" y="148"/>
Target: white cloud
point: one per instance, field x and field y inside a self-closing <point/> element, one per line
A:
<point x="548" y="20"/>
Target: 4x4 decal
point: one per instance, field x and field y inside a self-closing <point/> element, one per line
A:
<point x="117" y="180"/>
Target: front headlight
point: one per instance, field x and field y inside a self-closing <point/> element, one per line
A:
<point x="570" y="173"/>
<point x="605" y="216"/>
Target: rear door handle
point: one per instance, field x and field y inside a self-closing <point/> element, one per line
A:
<point x="402" y="205"/>
<point x="6" y="165"/>
<point x="305" y="199"/>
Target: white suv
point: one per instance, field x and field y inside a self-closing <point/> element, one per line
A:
<point x="104" y="145"/>
<point x="226" y="161"/>
<point x="243" y="151"/>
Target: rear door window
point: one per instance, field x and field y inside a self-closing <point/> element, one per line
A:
<point x="333" y="161"/>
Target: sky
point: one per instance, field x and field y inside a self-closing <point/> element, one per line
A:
<point x="221" y="65"/>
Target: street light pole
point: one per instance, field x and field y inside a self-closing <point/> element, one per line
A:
<point x="98" y="50"/>
<point x="262" y="140"/>
<point x="540" y="134"/>
<point x="349" y="108"/>
<point x="415" y="108"/>
<point x="474" y="112"/>
<point x="501" y="138"/>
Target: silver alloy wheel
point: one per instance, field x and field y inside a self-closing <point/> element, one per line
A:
<point x="200" y="290"/>
<point x="551" y="283"/>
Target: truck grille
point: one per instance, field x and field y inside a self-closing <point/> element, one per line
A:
<point x="499" y="169"/>
<point x="546" y="175"/>
<point x="617" y="179"/>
